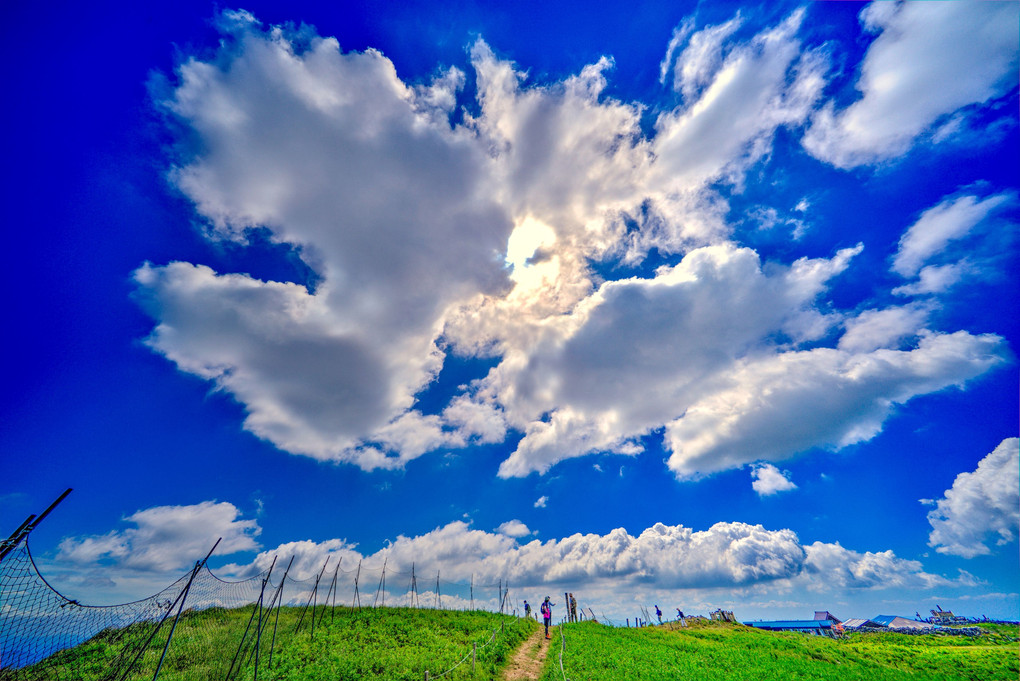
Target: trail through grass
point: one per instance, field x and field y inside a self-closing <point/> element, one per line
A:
<point x="528" y="661"/>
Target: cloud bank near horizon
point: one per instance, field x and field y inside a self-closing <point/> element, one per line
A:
<point x="672" y="558"/>
<point x="433" y="234"/>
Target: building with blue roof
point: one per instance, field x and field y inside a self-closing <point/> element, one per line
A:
<point x="816" y="627"/>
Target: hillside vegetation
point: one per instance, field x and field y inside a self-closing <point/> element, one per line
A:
<point x="721" y="651"/>
<point x="387" y="644"/>
<point x="400" y="644"/>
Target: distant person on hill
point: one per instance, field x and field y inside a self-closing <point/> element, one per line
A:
<point x="527" y="610"/>
<point x="658" y="613"/>
<point x="547" y="606"/>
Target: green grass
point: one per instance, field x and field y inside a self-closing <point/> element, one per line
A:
<point x="388" y="644"/>
<point x="401" y="643"/>
<point x="725" y="651"/>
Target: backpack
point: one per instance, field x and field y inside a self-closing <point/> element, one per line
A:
<point x="546" y="610"/>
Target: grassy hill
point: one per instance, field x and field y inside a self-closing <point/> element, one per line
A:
<point x="401" y="643"/>
<point x="722" y="651"/>
<point x="388" y="644"/>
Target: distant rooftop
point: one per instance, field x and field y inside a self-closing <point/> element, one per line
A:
<point x="791" y="624"/>
<point x="897" y="622"/>
<point x="857" y="622"/>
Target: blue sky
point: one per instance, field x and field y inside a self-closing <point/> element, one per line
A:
<point x="704" y="303"/>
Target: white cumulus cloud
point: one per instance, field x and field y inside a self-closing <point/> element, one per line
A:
<point x="767" y="480"/>
<point x="873" y="329"/>
<point x="784" y="404"/>
<point x="166" y="538"/>
<point x="982" y="505"/>
<point x="929" y="60"/>
<point x="693" y="350"/>
<point x="431" y="234"/>
<point x="459" y="566"/>
<point x="832" y="565"/>
<point x="387" y="203"/>
<point x="611" y="570"/>
<point x="514" y="528"/>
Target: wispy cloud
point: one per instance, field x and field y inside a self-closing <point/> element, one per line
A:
<point x="952" y="219"/>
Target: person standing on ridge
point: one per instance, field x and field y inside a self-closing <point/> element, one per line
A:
<point x="547" y="606"/>
<point x="658" y="613"/>
<point x="527" y="610"/>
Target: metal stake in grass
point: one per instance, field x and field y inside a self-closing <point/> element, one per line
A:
<point x="357" y="596"/>
<point x="180" y="608"/>
<point x="381" y="589"/>
<point x="310" y="596"/>
<point x="332" y="590"/>
<point x="278" y="598"/>
<point x="244" y="636"/>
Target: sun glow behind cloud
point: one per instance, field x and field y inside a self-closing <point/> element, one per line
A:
<point x="406" y="217"/>
<point x="667" y="302"/>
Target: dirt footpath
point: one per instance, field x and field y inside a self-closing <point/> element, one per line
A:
<point x="528" y="660"/>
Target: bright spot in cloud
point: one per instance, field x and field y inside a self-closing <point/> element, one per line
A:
<point x="499" y="234"/>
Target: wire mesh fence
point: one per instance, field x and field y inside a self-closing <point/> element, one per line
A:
<point x="47" y="635"/>
<point x="37" y="622"/>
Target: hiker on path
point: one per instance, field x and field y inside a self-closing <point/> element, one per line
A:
<point x="527" y="610"/>
<point x="547" y="606"/>
<point x="658" y="613"/>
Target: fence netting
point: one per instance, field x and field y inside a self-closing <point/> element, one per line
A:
<point x="46" y="635"/>
<point x="37" y="622"/>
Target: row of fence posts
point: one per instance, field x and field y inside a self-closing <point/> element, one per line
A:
<point x="380" y="599"/>
<point x="264" y="614"/>
<point x="312" y="602"/>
